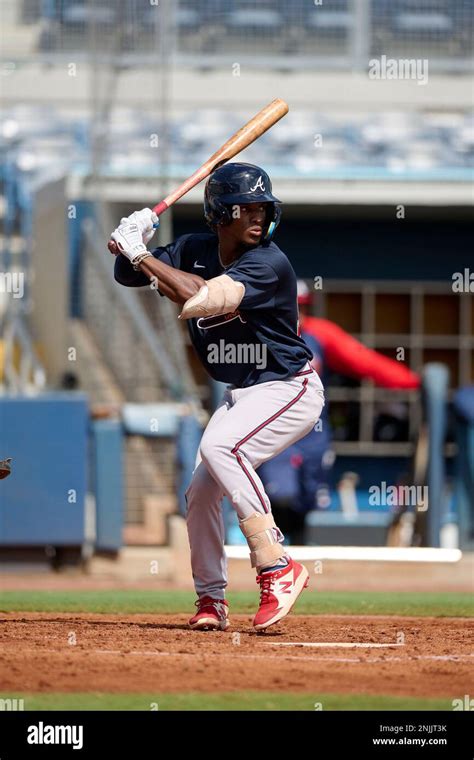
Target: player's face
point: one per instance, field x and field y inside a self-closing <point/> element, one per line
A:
<point x="248" y="222"/>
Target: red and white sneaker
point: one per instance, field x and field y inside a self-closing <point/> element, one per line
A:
<point x="279" y="591"/>
<point x="212" y="615"/>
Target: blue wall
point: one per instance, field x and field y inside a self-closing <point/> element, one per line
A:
<point x="42" y="501"/>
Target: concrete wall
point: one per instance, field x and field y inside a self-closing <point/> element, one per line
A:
<point x="50" y="285"/>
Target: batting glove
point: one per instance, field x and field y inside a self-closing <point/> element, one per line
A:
<point x="146" y="220"/>
<point x="129" y="241"/>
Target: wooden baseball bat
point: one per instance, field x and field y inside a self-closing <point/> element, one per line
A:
<point x="245" y="136"/>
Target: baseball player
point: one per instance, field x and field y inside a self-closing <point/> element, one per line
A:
<point x="238" y="294"/>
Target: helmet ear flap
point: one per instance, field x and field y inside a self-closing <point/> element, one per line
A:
<point x="216" y="212"/>
<point x="273" y="222"/>
<point x="224" y="212"/>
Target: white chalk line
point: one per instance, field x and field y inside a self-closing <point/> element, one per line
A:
<point x="236" y="656"/>
<point x="446" y="657"/>
<point x="334" y="644"/>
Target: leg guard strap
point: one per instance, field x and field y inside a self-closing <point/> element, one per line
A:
<point x="264" y="548"/>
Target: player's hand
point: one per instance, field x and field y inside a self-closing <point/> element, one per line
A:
<point x="128" y="240"/>
<point x="147" y="222"/>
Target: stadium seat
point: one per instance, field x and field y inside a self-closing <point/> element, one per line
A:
<point x="187" y="19"/>
<point x="334" y="19"/>
<point x="394" y="141"/>
<point x="334" y="22"/>
<point x="81" y="14"/>
<point x="254" y="20"/>
<point x="422" y="24"/>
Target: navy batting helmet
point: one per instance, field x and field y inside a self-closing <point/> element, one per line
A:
<point x="235" y="184"/>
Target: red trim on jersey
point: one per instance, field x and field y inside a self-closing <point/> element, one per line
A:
<point x="256" y="430"/>
<point x="306" y="372"/>
<point x="347" y="356"/>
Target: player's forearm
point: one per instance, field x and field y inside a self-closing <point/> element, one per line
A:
<point x="125" y="274"/>
<point x="176" y="285"/>
<point x="173" y="283"/>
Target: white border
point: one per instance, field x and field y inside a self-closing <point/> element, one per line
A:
<point x="359" y="553"/>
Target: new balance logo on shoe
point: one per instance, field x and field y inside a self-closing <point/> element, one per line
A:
<point x="279" y="590"/>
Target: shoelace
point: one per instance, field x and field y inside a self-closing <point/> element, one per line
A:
<point x="201" y="604"/>
<point x="266" y="586"/>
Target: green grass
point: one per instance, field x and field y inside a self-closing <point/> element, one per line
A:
<point x="128" y="601"/>
<point x="236" y="700"/>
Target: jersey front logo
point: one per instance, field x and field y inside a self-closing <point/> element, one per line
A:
<point x="259" y="184"/>
<point x="206" y="323"/>
<point x="196" y="265"/>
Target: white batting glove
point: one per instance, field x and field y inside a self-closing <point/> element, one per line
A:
<point x="128" y="238"/>
<point x="147" y="222"/>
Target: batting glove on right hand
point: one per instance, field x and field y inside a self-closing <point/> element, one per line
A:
<point x="146" y="221"/>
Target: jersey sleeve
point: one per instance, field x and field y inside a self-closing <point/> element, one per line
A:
<point x="347" y="356"/>
<point x="260" y="281"/>
<point x="125" y="274"/>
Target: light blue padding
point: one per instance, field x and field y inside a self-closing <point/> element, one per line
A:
<point x="366" y="519"/>
<point x="435" y="386"/>
<point x="42" y="501"/>
<point x="152" y="420"/>
<point x="107" y="482"/>
<point x="234" y="536"/>
<point x="464" y="483"/>
<point x="187" y="443"/>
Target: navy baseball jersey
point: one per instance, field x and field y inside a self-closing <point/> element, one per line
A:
<point x="258" y="342"/>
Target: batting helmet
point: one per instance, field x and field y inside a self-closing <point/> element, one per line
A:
<point x="234" y="184"/>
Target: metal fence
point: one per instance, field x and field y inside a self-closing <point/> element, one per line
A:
<point x="147" y="366"/>
<point x="284" y="33"/>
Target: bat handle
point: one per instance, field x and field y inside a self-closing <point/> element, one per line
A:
<point x="159" y="208"/>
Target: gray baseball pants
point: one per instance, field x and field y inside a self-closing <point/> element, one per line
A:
<point x="250" y="426"/>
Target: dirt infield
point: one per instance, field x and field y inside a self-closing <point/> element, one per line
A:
<point x="61" y="652"/>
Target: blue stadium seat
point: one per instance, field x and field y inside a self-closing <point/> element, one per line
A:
<point x="422" y="24"/>
<point x="395" y="141"/>
<point x="335" y="18"/>
<point x="187" y="19"/>
<point x="254" y="20"/>
<point x="81" y="13"/>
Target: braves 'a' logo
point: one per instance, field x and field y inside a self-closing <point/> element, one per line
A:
<point x="259" y="184"/>
<point x="205" y="323"/>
